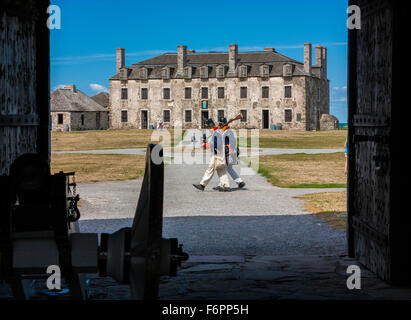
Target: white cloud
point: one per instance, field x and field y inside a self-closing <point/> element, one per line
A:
<point x="98" y="87"/>
<point x="339" y="100"/>
<point x="59" y="86"/>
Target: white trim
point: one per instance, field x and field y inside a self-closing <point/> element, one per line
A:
<point x="292" y="115"/>
<point x="201" y="93"/>
<point x="240" y="93"/>
<point x="141" y="118"/>
<point x="184" y="96"/>
<point x="262" y="118"/>
<point x="121" y="93"/>
<point x="184" y="115"/>
<point x="141" y="94"/>
<point x="218" y="98"/>
<point x="171" y="115"/>
<point x="292" y="91"/>
<point x="121" y="116"/>
<point x="162" y="94"/>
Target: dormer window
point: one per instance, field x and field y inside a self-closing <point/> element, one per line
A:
<point x="220" y="72"/>
<point x="204" y="72"/>
<point x="123" y="74"/>
<point x="143" y="73"/>
<point x="243" y="72"/>
<point x="165" y="73"/>
<point x="188" y="72"/>
<point x="287" y="70"/>
<point x="264" y="71"/>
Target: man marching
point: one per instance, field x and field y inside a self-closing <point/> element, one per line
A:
<point x="231" y="153"/>
<point x="218" y="160"/>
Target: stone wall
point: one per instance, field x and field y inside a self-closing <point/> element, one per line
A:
<point x="328" y="122"/>
<point x="72" y="121"/>
<point x="232" y="103"/>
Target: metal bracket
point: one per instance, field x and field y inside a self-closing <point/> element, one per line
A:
<point x="361" y="120"/>
<point x="369" y="231"/>
<point x="19" y="120"/>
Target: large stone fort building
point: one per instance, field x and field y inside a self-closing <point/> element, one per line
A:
<point x="185" y="88"/>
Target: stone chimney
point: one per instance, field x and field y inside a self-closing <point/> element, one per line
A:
<point x="319" y="56"/>
<point x="121" y="58"/>
<point x="324" y="62"/>
<point x="308" y="60"/>
<point x="71" y="87"/>
<point x="232" y="58"/>
<point x="181" y="58"/>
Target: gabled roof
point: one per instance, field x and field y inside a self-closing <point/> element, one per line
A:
<point x="68" y="100"/>
<point x="253" y="60"/>
<point x="102" y="98"/>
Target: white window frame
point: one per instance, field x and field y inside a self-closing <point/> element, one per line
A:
<point x="266" y="86"/>
<point x="162" y="94"/>
<point x="148" y="118"/>
<point x="221" y="109"/>
<point x="218" y="87"/>
<point x="184" y="95"/>
<point x="291" y="115"/>
<point x="246" y="110"/>
<point x="244" y="99"/>
<point x="121" y="93"/>
<point x="292" y="91"/>
<point x="201" y="93"/>
<point x="184" y="115"/>
<point x="141" y="93"/>
<point x="121" y="116"/>
<point x="171" y="115"/>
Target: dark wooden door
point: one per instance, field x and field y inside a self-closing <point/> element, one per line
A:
<point x="266" y="119"/>
<point x="144" y="119"/>
<point x="204" y="118"/>
<point x="378" y="234"/>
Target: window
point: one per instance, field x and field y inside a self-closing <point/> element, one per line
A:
<point x="124" y="116"/>
<point x="221" y="93"/>
<point x="244" y="114"/>
<point x="299" y="117"/>
<point x="166" y="115"/>
<point x="288" y="115"/>
<point x="144" y="93"/>
<point x="220" y="114"/>
<point x="60" y="118"/>
<point x="187" y="116"/>
<point x="204" y="93"/>
<point x="187" y="93"/>
<point x="288" y="91"/>
<point x="124" y="94"/>
<point x="166" y="93"/>
<point x="265" y="92"/>
<point x="243" y="92"/>
<point x="82" y="119"/>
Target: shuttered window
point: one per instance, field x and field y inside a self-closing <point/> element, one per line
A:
<point x="287" y="91"/>
<point x="221" y="93"/>
<point x="166" y="115"/>
<point x="166" y="93"/>
<point x="204" y="93"/>
<point x="265" y="92"/>
<point x="124" y="116"/>
<point x="243" y="92"/>
<point x="187" y="93"/>
<point x="187" y="116"/>
<point x="124" y="94"/>
<point x="144" y="93"/>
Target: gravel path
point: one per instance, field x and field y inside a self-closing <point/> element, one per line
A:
<point x="259" y="220"/>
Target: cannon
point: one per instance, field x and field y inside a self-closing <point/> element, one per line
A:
<point x="39" y="228"/>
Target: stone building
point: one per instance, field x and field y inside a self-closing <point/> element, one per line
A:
<point x="73" y="110"/>
<point x="102" y="99"/>
<point x="185" y="88"/>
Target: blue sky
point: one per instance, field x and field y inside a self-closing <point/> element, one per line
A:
<point x="83" y="50"/>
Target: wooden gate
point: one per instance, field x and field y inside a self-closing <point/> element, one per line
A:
<point x="378" y="232"/>
<point x="24" y="80"/>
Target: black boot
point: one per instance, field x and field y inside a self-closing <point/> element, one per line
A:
<point x="199" y="187"/>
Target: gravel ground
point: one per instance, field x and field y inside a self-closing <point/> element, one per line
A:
<point x="259" y="220"/>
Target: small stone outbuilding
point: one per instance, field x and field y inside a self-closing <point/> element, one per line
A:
<point x="329" y="122"/>
<point x="73" y="110"/>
